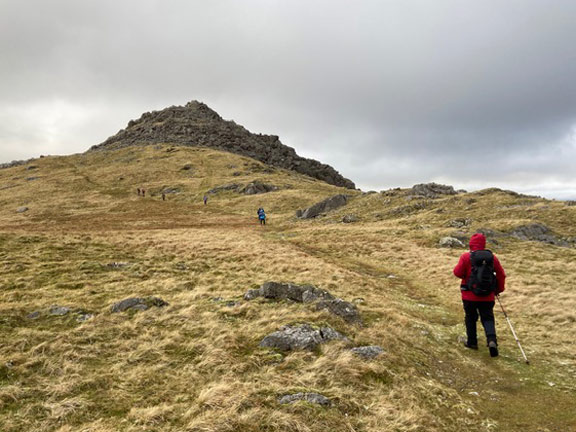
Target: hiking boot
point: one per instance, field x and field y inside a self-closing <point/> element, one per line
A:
<point x="493" y="347"/>
<point x="471" y="346"/>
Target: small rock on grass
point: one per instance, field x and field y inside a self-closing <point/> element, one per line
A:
<point x="314" y="398"/>
<point x="368" y="352"/>
<point x="137" y="303"/>
<point x="58" y="310"/>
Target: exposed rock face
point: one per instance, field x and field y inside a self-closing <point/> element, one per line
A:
<point x="257" y="187"/>
<point x="314" y="398"/>
<point x="303" y="337"/>
<point x="541" y="233"/>
<point x="431" y="190"/>
<point x="196" y="125"/>
<point x="253" y="188"/>
<point x="327" y="205"/>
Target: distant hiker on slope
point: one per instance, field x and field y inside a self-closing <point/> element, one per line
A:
<point x="262" y="216"/>
<point x="482" y="277"/>
<point x="205" y="199"/>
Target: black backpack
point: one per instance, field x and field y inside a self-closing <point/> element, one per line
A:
<point x="482" y="280"/>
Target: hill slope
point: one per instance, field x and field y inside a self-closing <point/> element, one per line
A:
<point x="195" y="124"/>
<point x="88" y="241"/>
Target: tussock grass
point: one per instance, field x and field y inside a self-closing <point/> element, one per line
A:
<point x="89" y="241"/>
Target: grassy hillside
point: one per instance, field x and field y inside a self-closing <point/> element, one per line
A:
<point x="88" y="241"/>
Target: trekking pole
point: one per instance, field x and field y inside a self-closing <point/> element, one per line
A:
<point x="512" y="328"/>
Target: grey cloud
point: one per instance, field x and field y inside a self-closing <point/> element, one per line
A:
<point x="390" y="93"/>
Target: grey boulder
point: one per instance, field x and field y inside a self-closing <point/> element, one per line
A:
<point x="325" y="206"/>
<point x="345" y="310"/>
<point x="368" y="352"/>
<point x="451" y="242"/>
<point x="301" y="337"/>
<point x="137" y="303"/>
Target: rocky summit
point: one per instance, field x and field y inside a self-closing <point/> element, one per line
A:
<point x="196" y="125"/>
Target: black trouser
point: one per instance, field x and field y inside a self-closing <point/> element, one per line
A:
<point x="486" y="311"/>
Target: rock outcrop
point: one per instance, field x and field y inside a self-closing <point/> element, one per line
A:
<point x="302" y="337"/>
<point x="307" y="294"/>
<point x="431" y="190"/>
<point x="196" y="125"/>
<point x="321" y="207"/>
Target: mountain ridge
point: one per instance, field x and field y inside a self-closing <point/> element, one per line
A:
<point x="197" y="125"/>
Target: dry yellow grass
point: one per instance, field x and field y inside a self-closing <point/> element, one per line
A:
<point x="195" y="365"/>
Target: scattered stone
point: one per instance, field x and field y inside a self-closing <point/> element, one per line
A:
<point x="22" y="209"/>
<point x="252" y="294"/>
<point x="350" y="219"/>
<point x="368" y="352"/>
<point x="347" y="311"/>
<point x="58" y="310"/>
<point x="301" y="337"/>
<point x="116" y="265"/>
<point x="32" y="178"/>
<point x="431" y="190"/>
<point x="236" y="174"/>
<point x="257" y="187"/>
<point x="325" y="206"/>
<point x="31" y="167"/>
<point x="451" y="242"/>
<point x="314" y="398"/>
<point x="84" y="316"/>
<point x="186" y="167"/>
<point x="137" y="303"/>
<point x="33" y="315"/>
<point x="460" y="222"/>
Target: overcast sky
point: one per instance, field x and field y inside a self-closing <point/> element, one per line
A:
<point x="390" y="93"/>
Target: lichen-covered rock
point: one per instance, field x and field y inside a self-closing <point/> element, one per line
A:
<point x="350" y="219"/>
<point x="325" y="206"/>
<point x="137" y="303"/>
<point x="302" y="337"/>
<point x="58" y="310"/>
<point x="539" y="232"/>
<point x="22" y="209"/>
<point x="196" y="125"/>
<point x="451" y="242"/>
<point x="345" y="310"/>
<point x="431" y="190"/>
<point x="459" y="222"/>
<point x="368" y="352"/>
<point x="314" y="398"/>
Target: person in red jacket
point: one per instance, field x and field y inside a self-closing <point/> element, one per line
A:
<point x="474" y="305"/>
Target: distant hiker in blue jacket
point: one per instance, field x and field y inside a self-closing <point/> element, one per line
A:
<point x="262" y="216"/>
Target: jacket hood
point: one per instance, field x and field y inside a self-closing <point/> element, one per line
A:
<point x="477" y="242"/>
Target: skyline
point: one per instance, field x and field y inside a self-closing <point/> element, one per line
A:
<point x="390" y="94"/>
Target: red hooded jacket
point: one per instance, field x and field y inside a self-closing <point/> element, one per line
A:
<point x="463" y="269"/>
